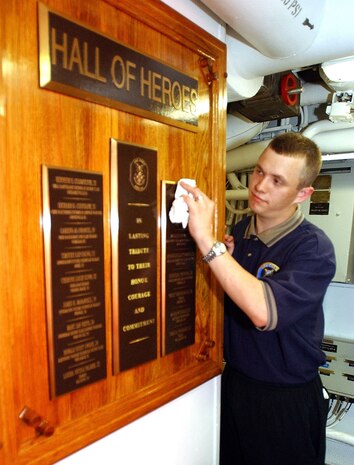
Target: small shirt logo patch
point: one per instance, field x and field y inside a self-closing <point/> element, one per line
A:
<point x="267" y="269"/>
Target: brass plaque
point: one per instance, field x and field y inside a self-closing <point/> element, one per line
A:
<point x="134" y="252"/>
<point x="321" y="196"/>
<point x="323" y="181"/>
<point x="178" y="273"/>
<point x="76" y="60"/>
<point x="74" y="270"/>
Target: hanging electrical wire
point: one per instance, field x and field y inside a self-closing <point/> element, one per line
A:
<point x="338" y="408"/>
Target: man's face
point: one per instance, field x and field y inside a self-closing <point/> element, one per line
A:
<point x="273" y="190"/>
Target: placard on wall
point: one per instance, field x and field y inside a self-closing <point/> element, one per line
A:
<point x="74" y="259"/>
<point x="134" y="252"/>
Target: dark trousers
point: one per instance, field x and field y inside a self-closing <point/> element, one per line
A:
<point x="266" y="424"/>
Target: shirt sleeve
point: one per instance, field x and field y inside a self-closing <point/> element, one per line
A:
<point x="271" y="309"/>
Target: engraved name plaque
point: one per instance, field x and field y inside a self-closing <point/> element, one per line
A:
<point x="74" y="270"/>
<point x="134" y="250"/>
<point x="178" y="269"/>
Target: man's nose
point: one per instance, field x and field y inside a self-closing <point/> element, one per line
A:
<point x="261" y="184"/>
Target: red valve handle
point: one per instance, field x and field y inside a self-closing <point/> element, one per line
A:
<point x="288" y="82"/>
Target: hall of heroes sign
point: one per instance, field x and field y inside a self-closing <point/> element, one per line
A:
<point x="77" y="61"/>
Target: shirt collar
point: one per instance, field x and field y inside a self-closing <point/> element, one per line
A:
<point x="273" y="235"/>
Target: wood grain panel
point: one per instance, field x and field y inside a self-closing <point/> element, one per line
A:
<point x="39" y="126"/>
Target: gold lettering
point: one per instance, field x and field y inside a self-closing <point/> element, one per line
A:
<point x="126" y="75"/>
<point x="194" y="99"/>
<point x="142" y="266"/>
<point x="145" y="82"/>
<point x="138" y="266"/>
<point x="135" y="281"/>
<point x="96" y="73"/>
<point x="117" y="60"/>
<point x="156" y="87"/>
<point x="166" y="91"/>
<point x="139" y="324"/>
<point x="139" y="251"/>
<point x="139" y="295"/>
<point x="75" y="56"/>
<point x="176" y="95"/>
<point x="139" y="310"/>
<point x="63" y="48"/>
<point x="63" y="180"/>
<point x="130" y="76"/>
<point x="185" y="98"/>
<point x="138" y="235"/>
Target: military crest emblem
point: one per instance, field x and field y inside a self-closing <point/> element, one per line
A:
<point x="139" y="174"/>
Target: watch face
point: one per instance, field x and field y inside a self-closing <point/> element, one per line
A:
<point x="219" y="248"/>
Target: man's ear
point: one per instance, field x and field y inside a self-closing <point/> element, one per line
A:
<point x="304" y="194"/>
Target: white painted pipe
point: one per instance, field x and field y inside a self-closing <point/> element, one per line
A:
<point x="331" y="137"/>
<point x="235" y="183"/>
<point x="324" y="126"/>
<point x="239" y="130"/>
<point x="314" y="94"/>
<point x="247" y="66"/>
<point x="277" y="28"/>
<point x="236" y="194"/>
<point x="245" y="156"/>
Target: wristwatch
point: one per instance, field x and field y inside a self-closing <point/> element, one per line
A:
<point x="219" y="248"/>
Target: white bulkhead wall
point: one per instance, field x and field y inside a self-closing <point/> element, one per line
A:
<point x="184" y="431"/>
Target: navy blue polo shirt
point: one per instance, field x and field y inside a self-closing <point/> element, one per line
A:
<point x="295" y="262"/>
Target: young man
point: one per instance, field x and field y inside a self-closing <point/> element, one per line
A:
<point x="274" y="269"/>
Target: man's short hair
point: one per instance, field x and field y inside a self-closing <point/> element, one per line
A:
<point x="293" y="144"/>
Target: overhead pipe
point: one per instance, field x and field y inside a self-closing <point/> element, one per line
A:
<point x="277" y="29"/>
<point x="237" y="194"/>
<point x="240" y="130"/>
<point x="331" y="137"/>
<point x="314" y="94"/>
<point x="259" y="44"/>
<point x="245" y="156"/>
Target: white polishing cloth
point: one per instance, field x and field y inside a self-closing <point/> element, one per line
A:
<point x="179" y="210"/>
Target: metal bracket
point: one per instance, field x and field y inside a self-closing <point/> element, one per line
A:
<point x="203" y="352"/>
<point x="40" y="425"/>
<point x="206" y="65"/>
